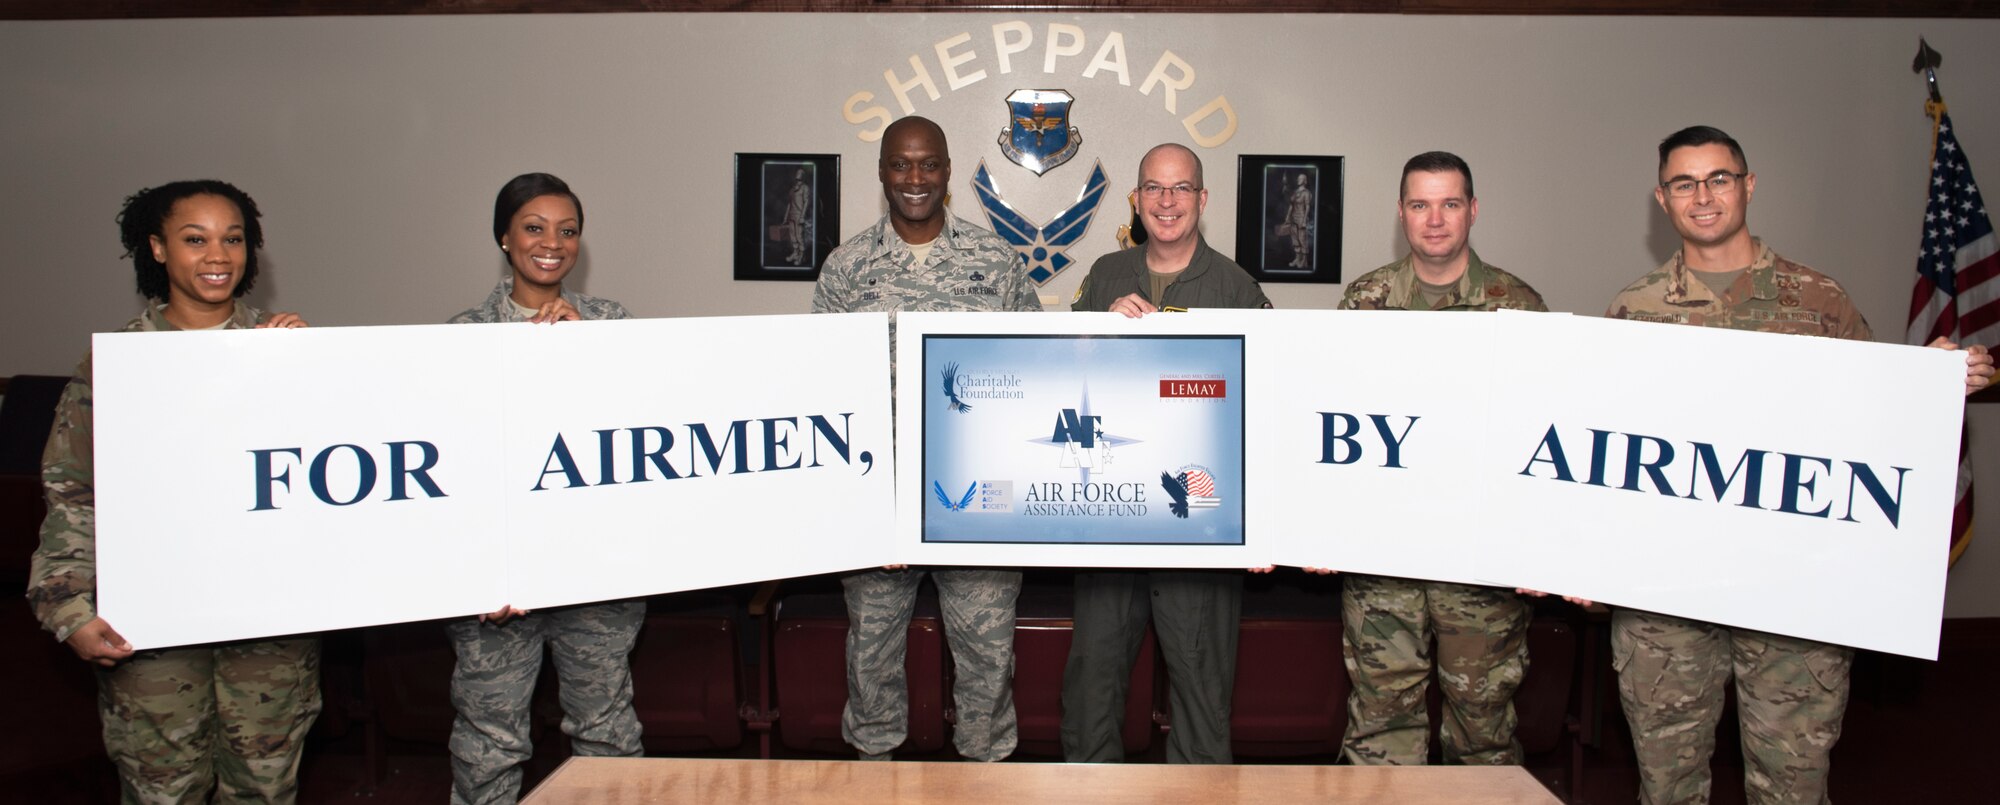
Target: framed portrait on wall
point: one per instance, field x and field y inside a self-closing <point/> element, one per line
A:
<point x="787" y="214"/>
<point x="1288" y="213"/>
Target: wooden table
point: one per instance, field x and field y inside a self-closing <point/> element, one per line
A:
<point x="628" y="781"/>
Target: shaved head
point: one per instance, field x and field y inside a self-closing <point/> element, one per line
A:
<point x="1171" y="148"/>
<point x="912" y="124"/>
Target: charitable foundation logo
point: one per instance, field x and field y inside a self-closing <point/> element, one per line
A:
<point x="961" y="385"/>
<point x="1191" y="487"/>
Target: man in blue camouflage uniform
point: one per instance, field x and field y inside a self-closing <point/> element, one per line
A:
<point x="538" y="223"/>
<point x="1791" y="692"/>
<point x="1388" y="624"/>
<point x="921" y="257"/>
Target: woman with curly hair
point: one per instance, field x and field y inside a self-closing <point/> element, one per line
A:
<point x="178" y="723"/>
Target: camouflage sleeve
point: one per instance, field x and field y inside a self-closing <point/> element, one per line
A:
<point x="1357" y="297"/>
<point x="62" y="580"/>
<point x="1617" y="309"/>
<point x="614" y="311"/>
<point x="834" y="292"/>
<point x="1023" y="295"/>
<point x="473" y="316"/>
<point x="1527" y="298"/>
<point x="1850" y="324"/>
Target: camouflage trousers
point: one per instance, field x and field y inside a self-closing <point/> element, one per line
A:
<point x="1790" y="696"/>
<point x="1387" y="627"/>
<point x="978" y="609"/>
<point x="494" y="681"/>
<point x="1196" y="614"/>
<point x="230" y="717"/>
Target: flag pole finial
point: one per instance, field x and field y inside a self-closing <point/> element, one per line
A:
<point x="1926" y="65"/>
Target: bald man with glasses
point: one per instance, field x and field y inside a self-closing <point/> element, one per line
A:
<point x="1195" y="612"/>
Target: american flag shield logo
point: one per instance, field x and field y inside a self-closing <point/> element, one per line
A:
<point x="1200" y="488"/>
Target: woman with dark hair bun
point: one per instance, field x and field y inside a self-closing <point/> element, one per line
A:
<point x="177" y="722"/>
<point x="538" y="224"/>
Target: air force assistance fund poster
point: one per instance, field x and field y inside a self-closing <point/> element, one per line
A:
<point x="1062" y="441"/>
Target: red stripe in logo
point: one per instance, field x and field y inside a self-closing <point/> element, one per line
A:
<point x="1194" y="388"/>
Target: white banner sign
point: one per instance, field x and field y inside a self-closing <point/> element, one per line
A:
<point x="255" y="483"/>
<point x="1743" y="478"/>
<point x="1802" y="486"/>
<point x="275" y="482"/>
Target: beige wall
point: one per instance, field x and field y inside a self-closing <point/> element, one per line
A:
<point x="374" y="145"/>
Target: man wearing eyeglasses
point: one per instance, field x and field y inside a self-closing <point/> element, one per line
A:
<point x="1389" y="623"/>
<point x="1195" y="612"/>
<point x="1175" y="269"/>
<point x="1790" y="692"/>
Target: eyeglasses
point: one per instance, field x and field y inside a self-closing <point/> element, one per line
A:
<point x="1720" y="184"/>
<point x="1182" y="190"/>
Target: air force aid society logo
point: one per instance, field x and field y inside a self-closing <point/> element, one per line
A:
<point x="979" y="497"/>
<point x="1191" y="487"/>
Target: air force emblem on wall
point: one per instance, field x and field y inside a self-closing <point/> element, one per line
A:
<point x="1043" y="248"/>
<point x="1038" y="135"/>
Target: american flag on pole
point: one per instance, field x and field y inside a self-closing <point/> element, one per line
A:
<point x="1957" y="295"/>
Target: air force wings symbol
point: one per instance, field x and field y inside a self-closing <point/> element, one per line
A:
<point x="1043" y="248"/>
<point x="970" y="489"/>
<point x="1038" y="135"/>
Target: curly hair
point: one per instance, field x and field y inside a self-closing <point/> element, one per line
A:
<point x="145" y="217"/>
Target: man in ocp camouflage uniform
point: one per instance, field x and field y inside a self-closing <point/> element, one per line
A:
<point x="1388" y="624"/>
<point x="921" y="257"/>
<point x="1791" y="692"/>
